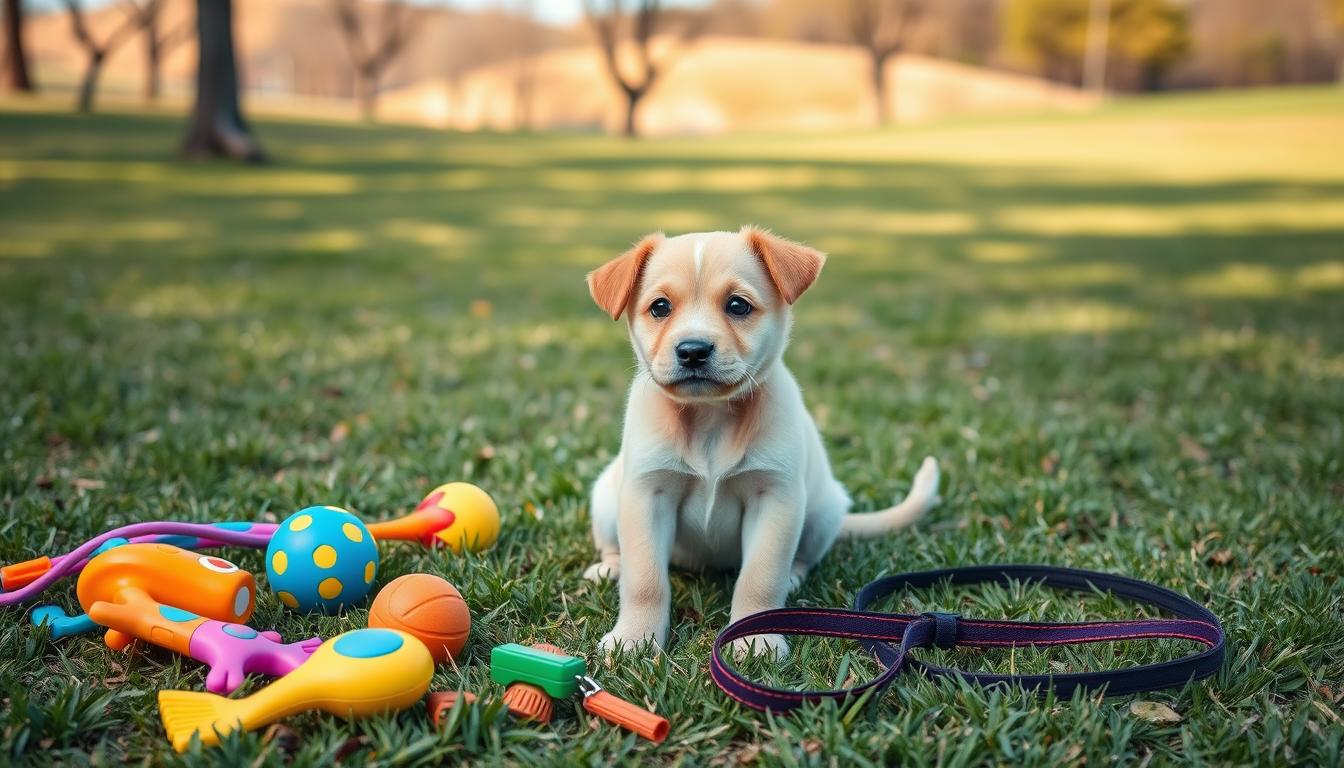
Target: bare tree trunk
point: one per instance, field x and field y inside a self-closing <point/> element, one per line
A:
<point x="522" y="95"/>
<point x="88" y="87"/>
<point x="632" y="98"/>
<point x="153" y="53"/>
<point x="879" y="73"/>
<point x="366" y="84"/>
<point x="217" y="127"/>
<point x="1098" y="40"/>
<point x="15" y="75"/>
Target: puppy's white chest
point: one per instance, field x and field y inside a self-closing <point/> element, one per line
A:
<point x="709" y="525"/>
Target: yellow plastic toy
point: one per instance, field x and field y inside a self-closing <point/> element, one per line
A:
<point x="356" y="674"/>
<point x="475" y="524"/>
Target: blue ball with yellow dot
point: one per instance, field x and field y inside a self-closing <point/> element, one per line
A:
<point x="321" y="558"/>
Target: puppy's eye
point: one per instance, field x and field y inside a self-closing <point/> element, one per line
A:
<point x="660" y="308"/>
<point x="738" y="306"/>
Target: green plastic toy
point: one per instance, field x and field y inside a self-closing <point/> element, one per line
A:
<point x="555" y="674"/>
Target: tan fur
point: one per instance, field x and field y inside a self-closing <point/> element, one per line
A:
<point x="612" y="284"/>
<point x="793" y="266"/>
<point x="720" y="464"/>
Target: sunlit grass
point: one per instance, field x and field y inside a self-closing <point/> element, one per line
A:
<point x="1119" y="332"/>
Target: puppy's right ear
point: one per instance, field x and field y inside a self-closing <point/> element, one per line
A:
<point x="613" y="283"/>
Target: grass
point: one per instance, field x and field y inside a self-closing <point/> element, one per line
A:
<point x="1122" y="333"/>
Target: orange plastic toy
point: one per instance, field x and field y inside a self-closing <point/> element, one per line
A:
<point x="125" y="587"/>
<point x="426" y="607"/>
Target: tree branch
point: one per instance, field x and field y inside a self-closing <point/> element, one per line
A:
<point x="178" y="35"/>
<point x="80" y="28"/>
<point x="347" y="18"/>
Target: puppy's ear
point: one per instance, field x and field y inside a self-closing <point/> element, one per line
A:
<point x="613" y="283"/>
<point x="792" y="266"/>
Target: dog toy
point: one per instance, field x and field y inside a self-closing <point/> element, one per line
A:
<point x="440" y="703"/>
<point x="360" y="673"/>
<point x="321" y="557"/>
<point x="475" y="518"/>
<point x="426" y="607"/>
<point x="560" y="676"/>
<point x="528" y="702"/>
<point x="60" y="623"/>
<point x="192" y="604"/>
<point x="422" y="525"/>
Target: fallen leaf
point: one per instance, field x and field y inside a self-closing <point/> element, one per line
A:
<point x="332" y="393"/>
<point x="351" y="745"/>
<point x="481" y="309"/>
<point x="282" y="736"/>
<point x="340" y="432"/>
<point x="486" y="453"/>
<point x="748" y="754"/>
<point x="88" y="484"/>
<point x="44" y="481"/>
<point x="812" y="746"/>
<point x="1221" y="557"/>
<point x="1154" y="712"/>
<point x="1050" y="463"/>
<point x="117" y="677"/>
<point x="1193" y="450"/>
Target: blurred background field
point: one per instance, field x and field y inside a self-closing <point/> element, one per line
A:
<point x="1115" y="318"/>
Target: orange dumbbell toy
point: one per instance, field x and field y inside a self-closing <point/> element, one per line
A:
<point x="426" y="607"/>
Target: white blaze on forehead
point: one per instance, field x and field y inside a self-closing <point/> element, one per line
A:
<point x="699" y="255"/>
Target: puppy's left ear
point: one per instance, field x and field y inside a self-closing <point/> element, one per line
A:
<point x="613" y="284"/>
<point x="792" y="266"/>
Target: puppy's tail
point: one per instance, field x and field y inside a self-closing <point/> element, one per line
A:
<point x="922" y="497"/>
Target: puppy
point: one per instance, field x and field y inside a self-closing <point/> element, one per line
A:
<point x="720" y="466"/>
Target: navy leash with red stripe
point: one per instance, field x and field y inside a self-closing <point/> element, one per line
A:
<point x="892" y="636"/>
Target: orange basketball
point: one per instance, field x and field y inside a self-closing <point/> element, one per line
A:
<point x="426" y="607"/>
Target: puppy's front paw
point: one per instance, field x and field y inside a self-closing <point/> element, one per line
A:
<point x="761" y="645"/>
<point x="603" y="571"/>
<point x="627" y="638"/>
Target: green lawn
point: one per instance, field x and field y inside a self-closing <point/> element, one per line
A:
<point x="1122" y="333"/>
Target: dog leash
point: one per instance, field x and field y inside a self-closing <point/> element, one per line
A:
<point x="892" y="636"/>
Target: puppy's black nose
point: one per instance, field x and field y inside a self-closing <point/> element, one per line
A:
<point x="694" y="353"/>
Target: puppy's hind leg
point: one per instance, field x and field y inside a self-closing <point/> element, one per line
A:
<point x="603" y="509"/>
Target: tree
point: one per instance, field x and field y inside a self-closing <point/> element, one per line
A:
<point x="1337" y="13"/>
<point x="97" y="51"/>
<point x="396" y="24"/>
<point x="1146" y="37"/>
<point x="524" y="43"/>
<point x="148" y="15"/>
<point x="14" y="76"/>
<point x="217" y="127"/>
<point x="647" y="19"/>
<point x="882" y="28"/>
